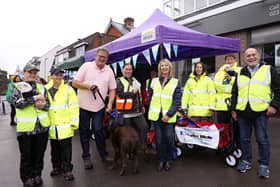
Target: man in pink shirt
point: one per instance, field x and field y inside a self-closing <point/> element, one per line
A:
<point x="93" y="76"/>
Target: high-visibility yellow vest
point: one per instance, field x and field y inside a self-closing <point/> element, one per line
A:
<point x="145" y="94"/>
<point x="147" y="83"/>
<point x="223" y="91"/>
<point x="125" y="103"/>
<point x="63" y="112"/>
<point x="199" y="96"/>
<point x="161" y="100"/>
<point x="27" y="116"/>
<point x="256" y="90"/>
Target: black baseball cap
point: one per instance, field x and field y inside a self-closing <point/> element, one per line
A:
<point x="56" y="70"/>
<point x="30" y="67"/>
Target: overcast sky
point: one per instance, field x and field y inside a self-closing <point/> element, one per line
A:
<point x="33" y="27"/>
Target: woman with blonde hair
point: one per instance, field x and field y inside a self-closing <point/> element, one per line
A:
<point x="165" y="96"/>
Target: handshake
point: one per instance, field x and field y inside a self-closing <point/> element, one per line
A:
<point x="39" y="101"/>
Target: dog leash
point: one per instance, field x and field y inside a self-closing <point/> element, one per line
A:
<point x="98" y="92"/>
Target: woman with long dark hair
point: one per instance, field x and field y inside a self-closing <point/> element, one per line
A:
<point x="199" y="94"/>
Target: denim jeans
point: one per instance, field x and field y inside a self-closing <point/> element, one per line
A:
<point x="164" y="140"/>
<point x="95" y="119"/>
<point x="260" y="126"/>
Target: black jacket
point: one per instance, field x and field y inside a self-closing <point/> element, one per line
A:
<point x="274" y="86"/>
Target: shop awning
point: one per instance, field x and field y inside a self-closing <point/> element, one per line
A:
<point x="72" y="63"/>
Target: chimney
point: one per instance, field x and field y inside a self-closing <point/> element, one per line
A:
<point x="129" y="23"/>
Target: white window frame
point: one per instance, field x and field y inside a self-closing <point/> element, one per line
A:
<point x="80" y="51"/>
<point x="170" y="4"/>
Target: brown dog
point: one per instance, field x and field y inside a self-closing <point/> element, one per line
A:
<point x="125" y="141"/>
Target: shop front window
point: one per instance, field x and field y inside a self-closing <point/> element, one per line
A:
<point x="277" y="57"/>
<point x="270" y="54"/>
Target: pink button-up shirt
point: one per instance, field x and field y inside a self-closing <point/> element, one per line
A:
<point x="90" y="74"/>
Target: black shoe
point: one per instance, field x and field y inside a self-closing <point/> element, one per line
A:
<point x="12" y="123"/>
<point x="68" y="176"/>
<point x="167" y="166"/>
<point x="56" y="172"/>
<point x="107" y="159"/>
<point x="38" y="181"/>
<point x="161" y="166"/>
<point x="88" y="164"/>
<point x="29" y="183"/>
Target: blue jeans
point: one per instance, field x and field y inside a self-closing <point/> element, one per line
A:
<point x="260" y="126"/>
<point x="164" y="140"/>
<point x="86" y="117"/>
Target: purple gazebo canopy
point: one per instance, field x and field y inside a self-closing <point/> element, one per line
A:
<point x="191" y="44"/>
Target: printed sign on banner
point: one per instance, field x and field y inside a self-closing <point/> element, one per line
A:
<point x="205" y="137"/>
<point x="148" y="35"/>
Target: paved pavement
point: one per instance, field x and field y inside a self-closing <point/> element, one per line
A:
<point x="195" y="168"/>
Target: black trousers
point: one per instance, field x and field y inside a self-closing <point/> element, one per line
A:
<point x="223" y="117"/>
<point x="13" y="113"/>
<point x="61" y="154"/>
<point x="32" y="149"/>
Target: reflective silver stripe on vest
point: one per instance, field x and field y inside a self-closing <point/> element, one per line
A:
<point x="154" y="110"/>
<point x="75" y="119"/>
<point x="162" y="96"/>
<point x="42" y="116"/>
<point x="211" y="106"/>
<point x="256" y="100"/>
<point x="60" y="127"/>
<point x="265" y="82"/>
<point x="58" y="107"/>
<point x="198" y="107"/>
<point x="26" y="119"/>
<point x="220" y="101"/>
<point x="123" y="101"/>
<point x="74" y="103"/>
<point x="199" y="91"/>
<point x="227" y="88"/>
<point x="243" y="84"/>
<point x="217" y="81"/>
